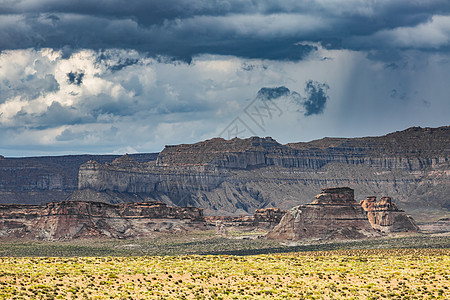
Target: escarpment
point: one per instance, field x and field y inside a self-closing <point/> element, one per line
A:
<point x="238" y="176"/>
<point x="83" y="219"/>
<point x="36" y="180"/>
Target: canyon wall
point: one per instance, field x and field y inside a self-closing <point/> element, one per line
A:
<point x="36" y="180"/>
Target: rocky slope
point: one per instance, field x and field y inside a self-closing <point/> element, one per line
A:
<point x="237" y="176"/>
<point x="69" y="219"/>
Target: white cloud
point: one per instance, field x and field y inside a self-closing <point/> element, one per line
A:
<point x="127" y="101"/>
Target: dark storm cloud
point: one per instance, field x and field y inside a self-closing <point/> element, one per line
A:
<point x="273" y="93"/>
<point x="312" y="103"/>
<point x="75" y="77"/>
<point x="316" y="97"/>
<point x="185" y="28"/>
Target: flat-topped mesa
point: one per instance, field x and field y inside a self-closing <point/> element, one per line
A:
<point x="336" y="195"/>
<point x="333" y="215"/>
<point x="385" y="216"/>
<point x="237" y="176"/>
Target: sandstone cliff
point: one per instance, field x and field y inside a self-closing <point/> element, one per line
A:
<point x="333" y="215"/>
<point x="238" y="176"/>
<point x="69" y="219"/>
<point x="385" y="216"/>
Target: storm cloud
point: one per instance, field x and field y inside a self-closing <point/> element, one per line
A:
<point x="263" y="29"/>
<point x="316" y="97"/>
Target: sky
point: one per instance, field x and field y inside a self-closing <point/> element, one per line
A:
<point x="127" y="76"/>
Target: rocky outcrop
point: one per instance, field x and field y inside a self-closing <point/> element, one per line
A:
<point x="334" y="214"/>
<point x="69" y="219"/>
<point x="385" y="216"/>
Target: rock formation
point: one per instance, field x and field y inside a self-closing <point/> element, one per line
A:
<point x="69" y="219"/>
<point x="384" y="215"/>
<point x="334" y="214"/>
<point x="237" y="176"/>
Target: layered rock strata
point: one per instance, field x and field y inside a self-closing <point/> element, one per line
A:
<point x="237" y="176"/>
<point x="334" y="214"/>
<point x="69" y="219"/>
<point x="385" y="216"/>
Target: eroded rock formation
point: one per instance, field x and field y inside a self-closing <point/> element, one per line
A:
<point x="83" y="219"/>
<point x="385" y="216"/>
<point x="334" y="214"/>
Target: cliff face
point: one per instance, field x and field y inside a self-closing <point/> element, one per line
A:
<point x="69" y="219"/>
<point x="233" y="177"/>
<point x="333" y="215"/>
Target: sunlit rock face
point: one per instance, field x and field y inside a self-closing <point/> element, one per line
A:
<point x="333" y="215"/>
<point x="385" y="216"/>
